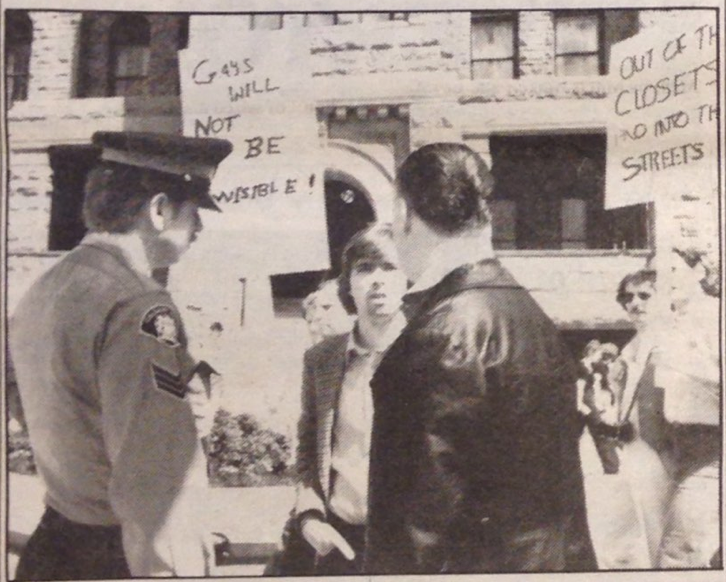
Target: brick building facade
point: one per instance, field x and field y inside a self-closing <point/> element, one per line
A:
<point x="526" y="89"/>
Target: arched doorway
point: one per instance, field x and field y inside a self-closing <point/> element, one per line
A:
<point x="347" y="210"/>
<point x="358" y="190"/>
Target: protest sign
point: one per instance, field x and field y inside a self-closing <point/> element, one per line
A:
<point x="662" y="147"/>
<point x="662" y="133"/>
<point x="270" y="189"/>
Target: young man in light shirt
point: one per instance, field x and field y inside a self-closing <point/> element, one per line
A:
<point x="337" y="408"/>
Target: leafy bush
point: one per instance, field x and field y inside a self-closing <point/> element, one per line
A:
<point x="20" y="455"/>
<point x="242" y="454"/>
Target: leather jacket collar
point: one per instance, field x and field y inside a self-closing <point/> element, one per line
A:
<point x="484" y="274"/>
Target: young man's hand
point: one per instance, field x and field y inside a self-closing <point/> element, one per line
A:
<point x="324" y="538"/>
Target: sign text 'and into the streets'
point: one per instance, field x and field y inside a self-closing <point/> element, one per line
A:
<point x="240" y="88"/>
<point x="663" y="148"/>
<point x="663" y="110"/>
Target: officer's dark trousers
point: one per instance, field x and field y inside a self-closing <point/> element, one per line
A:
<point x="61" y="549"/>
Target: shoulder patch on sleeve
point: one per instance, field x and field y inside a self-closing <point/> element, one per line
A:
<point x="160" y="322"/>
<point x="168" y="382"/>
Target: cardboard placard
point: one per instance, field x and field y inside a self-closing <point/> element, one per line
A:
<point x="234" y="86"/>
<point x="663" y="99"/>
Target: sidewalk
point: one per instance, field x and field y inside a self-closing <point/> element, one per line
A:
<point x="250" y="516"/>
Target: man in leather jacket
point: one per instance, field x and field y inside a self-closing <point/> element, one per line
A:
<point x="474" y="456"/>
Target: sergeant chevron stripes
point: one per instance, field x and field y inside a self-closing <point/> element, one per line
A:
<point x="168" y="382"/>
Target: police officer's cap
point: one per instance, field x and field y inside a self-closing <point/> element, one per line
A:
<point x="193" y="160"/>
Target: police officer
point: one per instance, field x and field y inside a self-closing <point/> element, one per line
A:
<point x="103" y="370"/>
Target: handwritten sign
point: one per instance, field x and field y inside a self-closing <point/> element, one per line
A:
<point x="662" y="147"/>
<point x="663" y="99"/>
<point x="254" y="90"/>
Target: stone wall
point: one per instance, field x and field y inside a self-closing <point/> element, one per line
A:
<point x="536" y="43"/>
<point x="53" y="55"/>
<point x="423" y="45"/>
<point x="29" y="197"/>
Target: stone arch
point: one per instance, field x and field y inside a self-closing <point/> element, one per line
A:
<point x="367" y="167"/>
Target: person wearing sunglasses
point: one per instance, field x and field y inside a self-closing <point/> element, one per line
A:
<point x="627" y="519"/>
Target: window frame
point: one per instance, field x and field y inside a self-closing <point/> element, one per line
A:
<point x="600" y="52"/>
<point x="604" y="230"/>
<point x="391" y="17"/>
<point x="495" y="16"/>
<point x="115" y="47"/>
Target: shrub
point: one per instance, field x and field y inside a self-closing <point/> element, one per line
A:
<point x="242" y="454"/>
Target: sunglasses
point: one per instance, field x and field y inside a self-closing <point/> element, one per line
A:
<point x="628" y="297"/>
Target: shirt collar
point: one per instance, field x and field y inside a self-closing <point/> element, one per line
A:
<point x="129" y="247"/>
<point x="452" y="254"/>
<point x="393" y="330"/>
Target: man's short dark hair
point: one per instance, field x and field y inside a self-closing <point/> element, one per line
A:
<point x="367" y="244"/>
<point x="116" y="193"/>
<point x="638" y="278"/>
<point x="447" y="186"/>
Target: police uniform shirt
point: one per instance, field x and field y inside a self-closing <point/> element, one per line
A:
<point x="101" y="359"/>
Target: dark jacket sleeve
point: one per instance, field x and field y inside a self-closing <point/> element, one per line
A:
<point x="455" y="341"/>
<point x="309" y="497"/>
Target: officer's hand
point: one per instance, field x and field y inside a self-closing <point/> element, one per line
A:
<point x="324" y="538"/>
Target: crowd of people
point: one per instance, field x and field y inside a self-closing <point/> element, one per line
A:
<point x="446" y="426"/>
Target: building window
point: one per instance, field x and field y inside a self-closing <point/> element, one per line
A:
<point x="549" y="194"/>
<point x="319" y="19"/>
<point x="329" y="18"/>
<point x="573" y="223"/>
<point x="18" y="40"/>
<point x="130" y="36"/>
<point x="358" y="17"/>
<point x="504" y="224"/>
<point x="266" y="22"/>
<point x="493" y="46"/>
<point x="578" y="44"/>
<point x="70" y="165"/>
